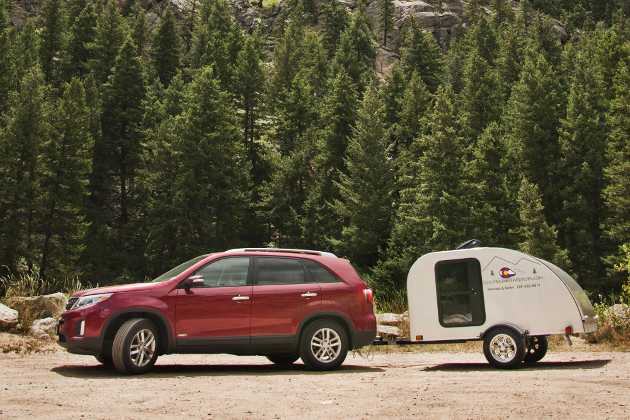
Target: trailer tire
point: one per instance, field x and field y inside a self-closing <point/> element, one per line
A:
<point x="504" y="348"/>
<point x="536" y="348"/>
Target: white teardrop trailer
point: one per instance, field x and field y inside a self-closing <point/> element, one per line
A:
<point x="510" y="300"/>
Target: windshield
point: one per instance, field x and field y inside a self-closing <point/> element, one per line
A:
<point x="177" y="270"/>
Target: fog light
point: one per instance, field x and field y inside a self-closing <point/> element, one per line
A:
<point x="80" y="328"/>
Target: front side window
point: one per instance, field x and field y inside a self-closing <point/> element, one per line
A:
<point x="273" y="270"/>
<point x="226" y="272"/>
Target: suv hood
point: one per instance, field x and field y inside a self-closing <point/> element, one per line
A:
<point x="136" y="287"/>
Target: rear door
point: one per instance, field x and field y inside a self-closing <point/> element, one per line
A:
<point x="283" y="294"/>
<point x="217" y="312"/>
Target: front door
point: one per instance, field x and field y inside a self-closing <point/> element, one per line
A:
<point x="217" y="311"/>
<point x="459" y="293"/>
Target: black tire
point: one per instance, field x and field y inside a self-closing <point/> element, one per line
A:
<point x="105" y="360"/>
<point x="504" y="348"/>
<point x="283" y="359"/>
<point x="142" y="335"/>
<point x="324" y="345"/>
<point x="535" y="348"/>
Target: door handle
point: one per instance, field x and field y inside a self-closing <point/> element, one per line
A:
<point x="309" y="294"/>
<point x="240" y="297"/>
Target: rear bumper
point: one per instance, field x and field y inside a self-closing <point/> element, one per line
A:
<point x="363" y="338"/>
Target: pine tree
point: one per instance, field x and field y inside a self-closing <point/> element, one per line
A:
<point x="121" y="117"/>
<point x="543" y="40"/>
<point x="334" y="22"/>
<point x="617" y="192"/>
<point x="483" y="40"/>
<point x="8" y="70"/>
<point x="364" y="206"/>
<point x="584" y="144"/>
<point x="356" y="53"/>
<point x="54" y="21"/>
<point x="140" y="29"/>
<point x="420" y="52"/>
<point x="510" y="58"/>
<point x="250" y="82"/>
<point x="28" y="49"/>
<point x="386" y="18"/>
<point x="4" y="16"/>
<point x="111" y="32"/>
<point x="165" y="48"/>
<point x="531" y="119"/>
<point x="492" y="208"/>
<point x="434" y="211"/>
<point x="413" y="107"/>
<point x="539" y="239"/>
<point x="25" y="125"/>
<point x="82" y="33"/>
<point x="503" y="13"/>
<point x="212" y="178"/>
<point x="67" y="159"/>
<point x="481" y="102"/>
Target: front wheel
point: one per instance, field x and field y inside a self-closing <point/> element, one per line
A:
<point x="324" y="345"/>
<point x="504" y="348"/>
<point x="135" y="348"/>
<point x="536" y="348"/>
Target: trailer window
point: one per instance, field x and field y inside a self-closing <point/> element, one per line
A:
<point x="459" y="293"/>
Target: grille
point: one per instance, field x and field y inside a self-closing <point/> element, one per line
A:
<point x="71" y="303"/>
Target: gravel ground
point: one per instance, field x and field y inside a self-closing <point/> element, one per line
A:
<point x="577" y="383"/>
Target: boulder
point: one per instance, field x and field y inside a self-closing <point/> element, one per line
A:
<point x="8" y="317"/>
<point x="40" y="306"/>
<point x="618" y="315"/>
<point x="384" y="62"/>
<point x="386" y="329"/>
<point x="43" y="328"/>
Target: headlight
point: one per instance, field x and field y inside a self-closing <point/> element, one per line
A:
<point x="90" y="300"/>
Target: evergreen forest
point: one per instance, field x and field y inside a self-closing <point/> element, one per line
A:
<point x="126" y="150"/>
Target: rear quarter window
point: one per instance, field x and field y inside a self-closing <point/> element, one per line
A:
<point x="320" y="273"/>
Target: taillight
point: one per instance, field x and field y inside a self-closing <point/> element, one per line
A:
<point x="568" y="330"/>
<point x="369" y="294"/>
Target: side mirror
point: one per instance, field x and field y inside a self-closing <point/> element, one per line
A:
<point x="194" y="281"/>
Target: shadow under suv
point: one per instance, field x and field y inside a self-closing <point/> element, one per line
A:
<point x="283" y="304"/>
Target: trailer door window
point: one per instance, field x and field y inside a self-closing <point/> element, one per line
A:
<point x="459" y="293"/>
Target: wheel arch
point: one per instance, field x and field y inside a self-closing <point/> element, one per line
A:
<point x="519" y="331"/>
<point x="338" y="317"/>
<point x="114" y="322"/>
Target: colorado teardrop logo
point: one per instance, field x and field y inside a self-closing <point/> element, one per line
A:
<point x="506" y="273"/>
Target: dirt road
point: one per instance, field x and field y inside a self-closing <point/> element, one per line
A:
<point x="574" y="384"/>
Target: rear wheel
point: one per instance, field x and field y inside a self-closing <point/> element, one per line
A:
<point x="324" y="345"/>
<point x="135" y="348"/>
<point x="283" y="359"/>
<point x="536" y="348"/>
<point x="504" y="348"/>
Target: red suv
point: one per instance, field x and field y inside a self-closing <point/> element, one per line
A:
<point x="283" y="304"/>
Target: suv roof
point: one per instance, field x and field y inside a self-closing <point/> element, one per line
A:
<point x="285" y="251"/>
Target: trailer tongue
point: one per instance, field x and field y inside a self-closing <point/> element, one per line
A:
<point x="510" y="300"/>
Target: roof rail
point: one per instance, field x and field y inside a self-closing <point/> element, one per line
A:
<point x="287" y="251"/>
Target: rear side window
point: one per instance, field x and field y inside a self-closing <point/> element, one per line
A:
<point x="319" y="272"/>
<point x="273" y="270"/>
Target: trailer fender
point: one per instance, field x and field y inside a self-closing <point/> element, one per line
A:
<point x="514" y="327"/>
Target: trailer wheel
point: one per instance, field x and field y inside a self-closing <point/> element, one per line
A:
<point x="536" y="348"/>
<point x="504" y="348"/>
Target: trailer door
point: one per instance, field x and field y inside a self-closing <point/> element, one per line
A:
<point x="460" y="293"/>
